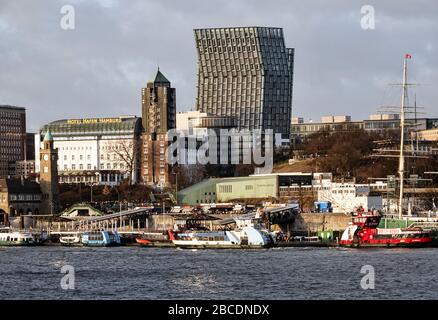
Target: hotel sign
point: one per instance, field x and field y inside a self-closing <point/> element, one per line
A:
<point x="88" y="121"/>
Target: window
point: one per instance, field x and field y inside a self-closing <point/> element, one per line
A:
<point x="73" y="167"/>
<point x="89" y="166"/>
<point x="81" y="166"/>
<point x="226" y="188"/>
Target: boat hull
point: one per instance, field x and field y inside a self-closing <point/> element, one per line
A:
<point x="212" y="246"/>
<point x="216" y="245"/>
<point x="16" y="243"/>
<point x="71" y="244"/>
<point x="143" y="242"/>
<point x="112" y="244"/>
<point x="423" y="243"/>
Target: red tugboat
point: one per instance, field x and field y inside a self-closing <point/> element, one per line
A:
<point x="363" y="232"/>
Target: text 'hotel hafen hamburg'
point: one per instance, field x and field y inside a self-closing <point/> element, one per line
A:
<point x="246" y="73"/>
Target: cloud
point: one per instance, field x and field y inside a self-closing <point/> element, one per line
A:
<point x="99" y="68"/>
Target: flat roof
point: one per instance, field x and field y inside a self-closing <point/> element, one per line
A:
<point x="93" y="126"/>
<point x="286" y="174"/>
<point x="229" y="28"/>
<point x="361" y="121"/>
<point x="11" y="108"/>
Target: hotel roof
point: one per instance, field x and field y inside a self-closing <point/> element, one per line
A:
<point x="128" y="125"/>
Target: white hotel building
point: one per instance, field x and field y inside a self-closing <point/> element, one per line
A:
<point x="94" y="151"/>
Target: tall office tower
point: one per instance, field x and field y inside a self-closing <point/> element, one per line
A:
<point x="158" y="105"/>
<point x="246" y="73"/>
<point x="159" y="116"/>
<point x="12" y="138"/>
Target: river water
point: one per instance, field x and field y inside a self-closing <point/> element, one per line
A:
<point x="168" y="273"/>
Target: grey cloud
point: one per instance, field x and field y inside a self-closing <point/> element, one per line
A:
<point x="98" y="69"/>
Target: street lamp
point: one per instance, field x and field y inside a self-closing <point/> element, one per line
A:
<point x="118" y="199"/>
<point x="175" y="172"/>
<point x="176" y="186"/>
<point x="91" y="186"/>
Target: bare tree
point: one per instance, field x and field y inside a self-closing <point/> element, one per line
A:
<point x="190" y="174"/>
<point x="126" y="152"/>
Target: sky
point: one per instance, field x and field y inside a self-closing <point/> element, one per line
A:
<point x="98" y="68"/>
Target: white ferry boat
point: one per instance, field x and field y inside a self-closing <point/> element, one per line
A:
<point x="15" y="238"/>
<point x="247" y="237"/>
<point x="101" y="238"/>
<point x="71" y="239"/>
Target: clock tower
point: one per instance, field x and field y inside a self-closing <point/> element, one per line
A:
<point x="49" y="176"/>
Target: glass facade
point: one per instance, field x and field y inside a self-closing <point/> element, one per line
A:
<point x="246" y="73"/>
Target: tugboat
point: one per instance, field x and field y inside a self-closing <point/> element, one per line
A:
<point x="154" y="239"/>
<point x="363" y="232"/>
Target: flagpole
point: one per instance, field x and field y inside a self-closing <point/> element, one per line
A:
<point x="401" y="166"/>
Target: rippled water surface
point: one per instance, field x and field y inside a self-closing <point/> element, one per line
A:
<point x="167" y="273"/>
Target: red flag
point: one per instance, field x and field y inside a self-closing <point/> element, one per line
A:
<point x="408" y="56"/>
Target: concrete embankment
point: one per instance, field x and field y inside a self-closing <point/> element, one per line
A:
<point x="315" y="222"/>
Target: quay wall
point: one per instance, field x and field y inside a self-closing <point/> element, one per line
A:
<point x="314" y="222"/>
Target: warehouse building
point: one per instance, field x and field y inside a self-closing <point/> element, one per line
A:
<point x="275" y="186"/>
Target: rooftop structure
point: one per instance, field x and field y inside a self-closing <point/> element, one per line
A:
<point x="93" y="126"/>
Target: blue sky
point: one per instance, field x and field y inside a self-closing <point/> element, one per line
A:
<point x="99" y="68"/>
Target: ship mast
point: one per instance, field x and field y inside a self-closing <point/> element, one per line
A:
<point x="401" y="164"/>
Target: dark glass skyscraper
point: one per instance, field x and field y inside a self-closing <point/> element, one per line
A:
<point x="246" y="73"/>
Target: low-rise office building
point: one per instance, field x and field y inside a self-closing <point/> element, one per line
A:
<point x="376" y="123"/>
<point x="347" y="197"/>
<point x="25" y="168"/>
<point x="426" y="135"/>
